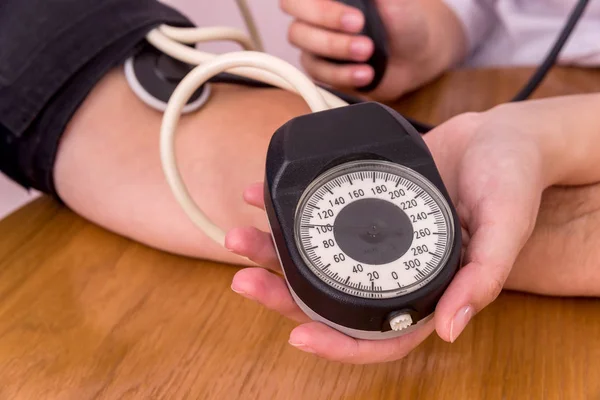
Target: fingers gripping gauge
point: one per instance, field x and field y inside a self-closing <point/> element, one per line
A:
<point x="364" y="228"/>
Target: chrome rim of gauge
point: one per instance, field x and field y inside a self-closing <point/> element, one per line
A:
<point x="374" y="229"/>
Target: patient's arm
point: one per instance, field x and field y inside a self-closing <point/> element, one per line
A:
<point x="108" y="168"/>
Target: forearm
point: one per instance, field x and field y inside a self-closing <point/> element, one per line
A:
<point x="108" y="168"/>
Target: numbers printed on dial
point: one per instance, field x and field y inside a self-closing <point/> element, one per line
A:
<point x="339" y="257"/>
<point x="379" y="189"/>
<point x="418" y="217"/>
<point x="328" y="243"/>
<point x="357" y="268"/>
<point x="373" y="275"/>
<point x="420" y="250"/>
<point x="412" y="264"/>
<point x="337" y="202"/>
<point x="424" y="207"/>
<point x="356" y="194"/>
<point x="421" y="233"/>
<point x="405" y="205"/>
<point x="324" y="228"/>
<point x="325" y="214"/>
<point x="397" y="194"/>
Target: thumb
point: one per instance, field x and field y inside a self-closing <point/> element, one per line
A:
<point x="493" y="248"/>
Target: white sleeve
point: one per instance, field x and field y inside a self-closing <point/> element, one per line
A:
<point x="478" y="18"/>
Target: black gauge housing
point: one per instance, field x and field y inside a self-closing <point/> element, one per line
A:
<point x="309" y="145"/>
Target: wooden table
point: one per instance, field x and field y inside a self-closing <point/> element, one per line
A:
<point x="85" y="314"/>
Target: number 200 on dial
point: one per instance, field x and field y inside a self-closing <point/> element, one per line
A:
<point x="374" y="229"/>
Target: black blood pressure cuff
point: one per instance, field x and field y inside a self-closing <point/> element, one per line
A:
<point x="52" y="53"/>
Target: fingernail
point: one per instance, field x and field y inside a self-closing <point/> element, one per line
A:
<point x="361" y="76"/>
<point x="352" y="21"/>
<point x="303" y="347"/>
<point x="460" y="321"/>
<point x="227" y="243"/>
<point x="360" y="48"/>
<point x="242" y="293"/>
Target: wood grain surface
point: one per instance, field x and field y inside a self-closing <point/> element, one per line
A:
<point x="85" y="314"/>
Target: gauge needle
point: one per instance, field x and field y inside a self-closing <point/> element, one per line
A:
<point x="353" y="228"/>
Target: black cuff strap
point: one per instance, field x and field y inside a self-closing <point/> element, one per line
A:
<point x="55" y="117"/>
<point x="28" y="87"/>
<point x="42" y="97"/>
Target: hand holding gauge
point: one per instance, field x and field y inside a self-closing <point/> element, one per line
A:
<point x="497" y="193"/>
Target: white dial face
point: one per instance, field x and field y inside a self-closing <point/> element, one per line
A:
<point x="374" y="229"/>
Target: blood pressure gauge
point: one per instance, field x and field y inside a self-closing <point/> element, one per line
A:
<point x="373" y="229"/>
<point x="364" y="228"/>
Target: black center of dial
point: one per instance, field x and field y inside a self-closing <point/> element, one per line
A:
<point x="373" y="231"/>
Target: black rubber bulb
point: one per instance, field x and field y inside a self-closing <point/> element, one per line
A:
<point x="375" y="30"/>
